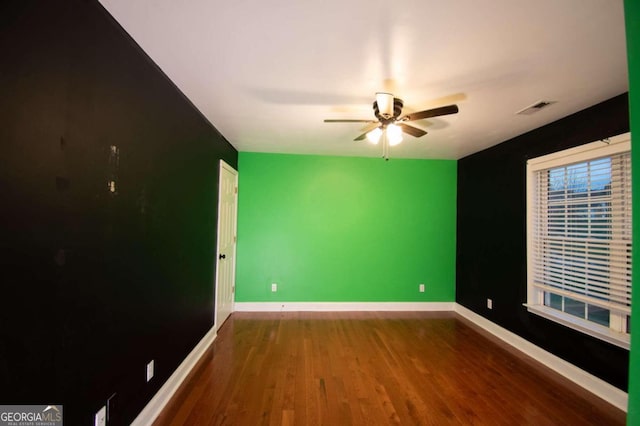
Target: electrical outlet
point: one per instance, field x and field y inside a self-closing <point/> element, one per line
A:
<point x="274" y="287"/>
<point x="100" y="418"/>
<point x="489" y="303"/>
<point x="421" y="288"/>
<point x="150" y="370"/>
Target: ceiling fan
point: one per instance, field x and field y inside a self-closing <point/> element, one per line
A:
<point x="390" y="124"/>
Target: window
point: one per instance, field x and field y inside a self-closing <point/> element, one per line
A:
<point x="579" y="238"/>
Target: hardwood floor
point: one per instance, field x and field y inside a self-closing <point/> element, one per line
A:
<point x="373" y="368"/>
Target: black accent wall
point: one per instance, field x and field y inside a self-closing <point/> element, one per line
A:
<point x="97" y="280"/>
<point x="491" y="232"/>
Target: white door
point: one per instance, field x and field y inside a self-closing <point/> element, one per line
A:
<point x="226" y="253"/>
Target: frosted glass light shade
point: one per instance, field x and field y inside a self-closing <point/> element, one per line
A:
<point x="385" y="104"/>
<point x="394" y="133"/>
<point x="374" y="135"/>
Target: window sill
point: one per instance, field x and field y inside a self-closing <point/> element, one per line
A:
<point x="602" y="333"/>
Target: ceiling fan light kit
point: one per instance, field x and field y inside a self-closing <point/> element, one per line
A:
<point x="394" y="133"/>
<point x="391" y="125"/>
<point x="374" y="135"/>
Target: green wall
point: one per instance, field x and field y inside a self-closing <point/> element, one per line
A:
<point x="329" y="229"/>
<point x="632" y="16"/>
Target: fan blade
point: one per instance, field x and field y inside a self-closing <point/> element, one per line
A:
<point x="413" y="131"/>
<point x="369" y="127"/>
<point x="361" y="137"/>
<point x="364" y="135"/>
<point x="435" y="112"/>
<point x="349" y="121"/>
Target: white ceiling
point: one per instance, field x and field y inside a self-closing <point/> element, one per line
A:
<point x="266" y="73"/>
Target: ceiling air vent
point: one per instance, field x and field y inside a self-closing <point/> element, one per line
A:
<point x="532" y="109"/>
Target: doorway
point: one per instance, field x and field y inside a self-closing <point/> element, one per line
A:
<point x="226" y="247"/>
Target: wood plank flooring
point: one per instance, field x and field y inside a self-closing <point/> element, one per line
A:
<point x="373" y="368"/>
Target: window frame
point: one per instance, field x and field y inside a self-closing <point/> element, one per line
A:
<point x="535" y="296"/>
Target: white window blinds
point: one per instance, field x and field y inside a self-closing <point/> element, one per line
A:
<point x="580" y="230"/>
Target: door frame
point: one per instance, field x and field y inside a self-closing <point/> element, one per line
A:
<point x="224" y="165"/>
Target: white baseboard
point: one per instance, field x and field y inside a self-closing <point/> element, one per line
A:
<point x="593" y="384"/>
<point x="341" y="306"/>
<point x="153" y="409"/>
